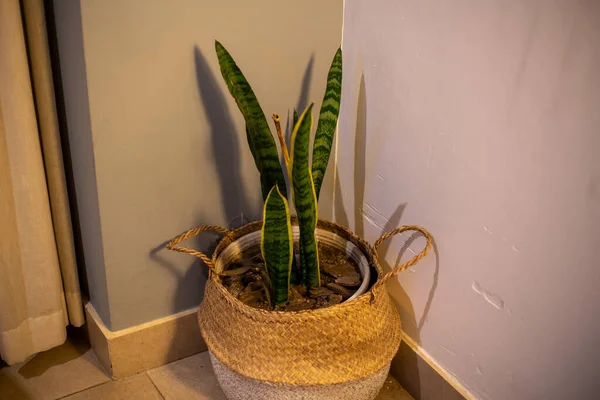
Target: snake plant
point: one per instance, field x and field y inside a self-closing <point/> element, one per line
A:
<point x="305" y="177"/>
<point x="277" y="245"/>
<point x="260" y="139"/>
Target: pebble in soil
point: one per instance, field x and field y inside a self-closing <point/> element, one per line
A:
<point x="340" y="278"/>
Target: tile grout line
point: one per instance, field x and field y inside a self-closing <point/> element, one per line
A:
<point x="83" y="390"/>
<point x="154" y="384"/>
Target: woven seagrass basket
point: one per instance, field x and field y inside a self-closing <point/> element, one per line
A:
<point x="343" y="351"/>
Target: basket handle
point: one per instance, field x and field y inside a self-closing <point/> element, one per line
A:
<point x="396" y="270"/>
<point x="191" y="233"/>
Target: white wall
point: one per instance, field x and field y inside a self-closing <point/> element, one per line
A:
<point x="482" y="119"/>
<point x="166" y="144"/>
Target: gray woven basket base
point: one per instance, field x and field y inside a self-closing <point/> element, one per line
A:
<point x="239" y="387"/>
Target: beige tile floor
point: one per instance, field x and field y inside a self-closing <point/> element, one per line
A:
<point x="72" y="372"/>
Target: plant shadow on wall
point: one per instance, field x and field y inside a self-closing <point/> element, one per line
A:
<point x="302" y="98"/>
<point x="225" y="145"/>
<point x="238" y="208"/>
<point x="407" y="361"/>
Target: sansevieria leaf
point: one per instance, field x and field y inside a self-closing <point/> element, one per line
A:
<point x="328" y="116"/>
<point x="261" y="142"/>
<point x="276" y="244"/>
<point x="305" y="200"/>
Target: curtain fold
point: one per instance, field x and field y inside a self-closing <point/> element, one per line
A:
<point x="39" y="285"/>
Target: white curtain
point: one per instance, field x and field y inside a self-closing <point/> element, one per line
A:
<point x="39" y="286"/>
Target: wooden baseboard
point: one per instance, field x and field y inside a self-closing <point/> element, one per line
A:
<point x="146" y="346"/>
<point x="423" y="377"/>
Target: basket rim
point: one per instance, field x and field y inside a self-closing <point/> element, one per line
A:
<point x="346" y="233"/>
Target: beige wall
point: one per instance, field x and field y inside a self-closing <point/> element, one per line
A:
<point x="165" y="143"/>
<point x="480" y="121"/>
<point x="74" y="115"/>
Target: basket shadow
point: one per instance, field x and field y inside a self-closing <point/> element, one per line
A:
<point x="187" y="294"/>
<point x="406" y="364"/>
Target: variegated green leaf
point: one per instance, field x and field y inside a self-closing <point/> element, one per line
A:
<point x="251" y="147"/>
<point x="305" y="200"/>
<point x="277" y="245"/>
<point x="328" y="116"/>
<point x="261" y="142"/>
